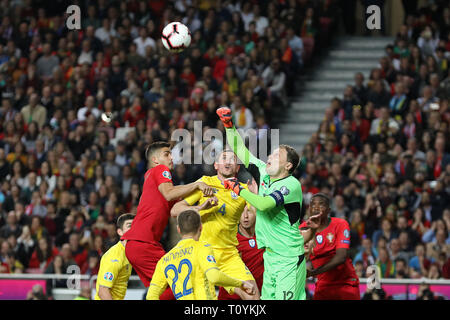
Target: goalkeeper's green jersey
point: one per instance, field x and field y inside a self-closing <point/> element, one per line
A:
<point x="277" y="226"/>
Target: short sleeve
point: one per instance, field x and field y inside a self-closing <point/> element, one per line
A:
<point x="109" y="271"/>
<point x="206" y="258"/>
<point x="161" y="174"/>
<point x="159" y="278"/>
<point x="343" y="235"/>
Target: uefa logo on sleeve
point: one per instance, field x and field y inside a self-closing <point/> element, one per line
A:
<point x="108" y="276"/>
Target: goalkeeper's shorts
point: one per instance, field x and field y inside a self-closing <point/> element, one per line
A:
<point x="284" y="277"/>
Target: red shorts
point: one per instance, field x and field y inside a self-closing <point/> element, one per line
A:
<point x="143" y="257"/>
<point x="337" y="292"/>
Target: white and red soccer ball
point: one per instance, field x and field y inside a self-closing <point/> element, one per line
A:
<point x="176" y="37"/>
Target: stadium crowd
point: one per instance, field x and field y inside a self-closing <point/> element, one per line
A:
<point x="383" y="153"/>
<point x="78" y="108"/>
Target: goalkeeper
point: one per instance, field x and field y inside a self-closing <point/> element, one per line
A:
<point x="278" y="207"/>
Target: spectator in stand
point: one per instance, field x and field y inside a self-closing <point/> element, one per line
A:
<point x="42" y="255"/>
<point x="79" y="254"/>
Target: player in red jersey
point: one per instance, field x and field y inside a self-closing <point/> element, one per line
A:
<point x="143" y="248"/>
<point x="250" y="254"/>
<point x="336" y="276"/>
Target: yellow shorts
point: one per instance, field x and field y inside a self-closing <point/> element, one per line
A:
<point x="229" y="262"/>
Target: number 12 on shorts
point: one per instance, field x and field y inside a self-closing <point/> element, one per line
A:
<point x="288" y="295"/>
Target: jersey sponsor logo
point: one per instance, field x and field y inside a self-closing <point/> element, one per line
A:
<point x="319" y="239"/>
<point x="234" y="195"/>
<point x="330" y="237"/>
<point x="108" y="276"/>
<point x="210" y="258"/>
<point x="345" y="241"/>
<point x="284" y="190"/>
<point x="252" y="243"/>
<point x="114" y="260"/>
<point x="166" y="174"/>
<point x="346" y="233"/>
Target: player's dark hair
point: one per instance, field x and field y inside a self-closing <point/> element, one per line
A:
<point x="323" y="196"/>
<point x="155" y="146"/>
<point x="188" y="221"/>
<point x="122" y="218"/>
<point x="292" y="157"/>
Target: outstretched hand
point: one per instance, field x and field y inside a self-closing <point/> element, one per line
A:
<point x="208" y="191"/>
<point x="232" y="184"/>
<point x="249" y="287"/>
<point x="224" y="114"/>
<point x="208" y="204"/>
<point x="313" y="222"/>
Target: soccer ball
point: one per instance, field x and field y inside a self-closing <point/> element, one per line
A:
<point x="176" y="37"/>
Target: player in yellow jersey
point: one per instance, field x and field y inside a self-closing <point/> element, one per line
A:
<point x="220" y="220"/>
<point x="190" y="268"/>
<point x="115" y="269"/>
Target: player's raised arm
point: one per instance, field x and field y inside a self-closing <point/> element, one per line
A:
<point x="183" y="205"/>
<point x="217" y="277"/>
<point x="261" y="203"/>
<point x="235" y="140"/>
<point x="171" y="192"/>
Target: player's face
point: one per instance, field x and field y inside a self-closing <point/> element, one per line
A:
<point x="276" y="162"/>
<point x="248" y="217"/>
<point x="226" y="165"/>
<point x="164" y="156"/>
<point x="319" y="206"/>
<point x="125" y="228"/>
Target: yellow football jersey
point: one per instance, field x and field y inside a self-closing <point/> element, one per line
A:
<point x="114" y="272"/>
<point x="220" y="223"/>
<point x="184" y="269"/>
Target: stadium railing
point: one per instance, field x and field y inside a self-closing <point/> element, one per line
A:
<point x="16" y="286"/>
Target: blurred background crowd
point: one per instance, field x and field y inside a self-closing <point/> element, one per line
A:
<point x="78" y="108"/>
<point x="382" y="153"/>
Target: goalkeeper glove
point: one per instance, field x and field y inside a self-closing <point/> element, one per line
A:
<point x="233" y="185"/>
<point x="224" y="114"/>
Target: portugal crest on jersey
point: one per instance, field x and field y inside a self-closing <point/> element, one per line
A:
<point x="252" y="243"/>
<point x="330" y="237"/>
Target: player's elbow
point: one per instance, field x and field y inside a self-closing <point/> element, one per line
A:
<point x="104" y="293"/>
<point x="176" y="210"/>
<point x="213" y="276"/>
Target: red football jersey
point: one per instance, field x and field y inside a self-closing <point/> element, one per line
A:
<point x="153" y="211"/>
<point x="335" y="236"/>
<point x="253" y="259"/>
